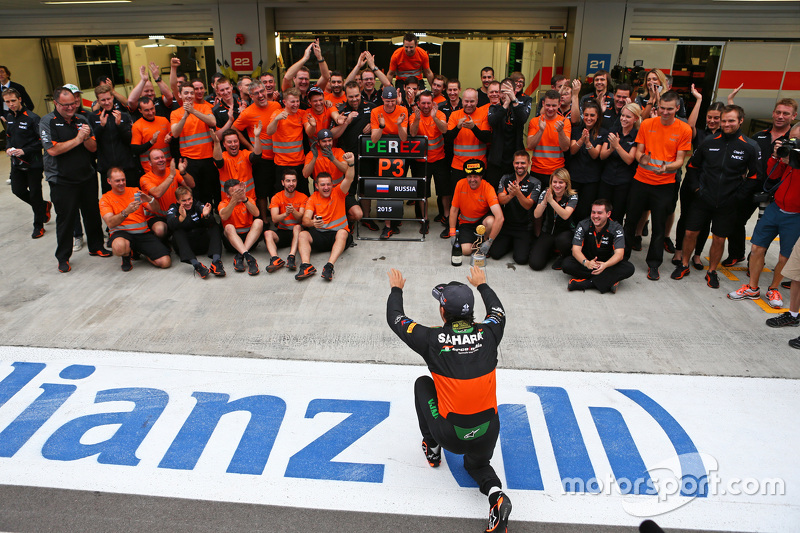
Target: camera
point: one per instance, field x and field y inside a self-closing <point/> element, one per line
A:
<point x="763" y="199"/>
<point x="790" y="148"/>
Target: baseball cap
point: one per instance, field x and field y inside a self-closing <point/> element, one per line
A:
<point x="324" y="134"/>
<point x="389" y="93"/>
<point x="72" y="88"/>
<point x="315" y="90"/>
<point x="474" y="166"/>
<point x="456" y="298"/>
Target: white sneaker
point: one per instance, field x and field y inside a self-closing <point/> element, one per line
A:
<point x="8" y="181"/>
<point x="77" y="244"/>
<point x="774" y="298"/>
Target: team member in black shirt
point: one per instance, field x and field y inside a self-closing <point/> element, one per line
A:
<point x="555" y="207"/>
<point x="516" y="193"/>
<point x="598" y="250"/>
<point x="68" y="143"/>
<point x="723" y="171"/>
<point x="25" y="151"/>
<point x="619" y="154"/>
<point x="194" y="230"/>
<point x="584" y="163"/>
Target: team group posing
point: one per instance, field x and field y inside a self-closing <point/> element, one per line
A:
<point x="572" y="180"/>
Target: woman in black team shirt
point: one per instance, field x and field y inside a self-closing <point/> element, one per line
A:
<point x="619" y="153"/>
<point x="584" y="163"/>
<point x="555" y="207"/>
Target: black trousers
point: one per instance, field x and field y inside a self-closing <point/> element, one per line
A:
<point x="72" y="201"/>
<point x="602" y="281"/>
<point x="687" y="199"/>
<point x="659" y="200"/>
<point x="515" y="240"/>
<point x="198" y="241"/>
<point x="618" y="196"/>
<point x="736" y="240"/>
<point x="206" y="180"/>
<point x="542" y="250"/>
<point x="587" y="193"/>
<point x="438" y="430"/>
<point x="27" y="186"/>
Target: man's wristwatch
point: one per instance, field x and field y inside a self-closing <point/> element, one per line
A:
<point x="374" y="69"/>
<point x="158" y="79"/>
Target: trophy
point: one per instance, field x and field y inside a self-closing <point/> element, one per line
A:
<point x="478" y="259"/>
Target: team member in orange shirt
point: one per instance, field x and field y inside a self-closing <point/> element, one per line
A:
<point x="468" y="130"/>
<point x="427" y="120"/>
<point x="160" y="183"/>
<point x="287" y="208"/>
<point x="326" y="218"/>
<point x="318" y="115"/>
<point x="661" y="147"/>
<point x="286" y="129"/>
<point x="239" y="217"/>
<point x="236" y="163"/>
<point x="336" y="95"/>
<point x="325" y="158"/>
<point x="261" y="110"/>
<point x="437" y="89"/>
<point x="410" y="61"/>
<point x="548" y="138"/>
<point x="391" y="119"/>
<point x="122" y="209"/>
<point x="193" y="125"/>
<point x="474" y="203"/>
<point x="151" y="132"/>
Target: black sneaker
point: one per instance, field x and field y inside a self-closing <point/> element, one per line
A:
<point x="438" y="218"/>
<point x="126" y="265"/>
<point x="795" y="343"/>
<point x="432" y="454"/>
<point x="712" y="280"/>
<point x="680" y="272"/>
<point x="669" y="246"/>
<point x="498" y="513"/>
<point x="217" y="269"/>
<point x="730" y="261"/>
<point x="387" y="232"/>
<point x="579" y="284"/>
<point x="652" y="274"/>
<point x="201" y="270"/>
<point x="290" y="263"/>
<point x="784" y="320"/>
<point x="786" y="284"/>
<point x="370" y="225"/>
<point x="238" y="263"/>
<point x="445" y="234"/>
<point x="275" y="263"/>
<point x="48" y="206"/>
<point x="306" y="271"/>
<point x="698" y="264"/>
<point x="636" y="245"/>
<point x="38" y="233"/>
<point x="557" y="263"/>
<point x="64" y="266"/>
<point x="252" y="266"/>
<point x="327" y="272"/>
<point x="102" y="252"/>
<point x="423" y="228"/>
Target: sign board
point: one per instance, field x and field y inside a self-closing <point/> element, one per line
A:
<point x="412" y="148"/>
<point x="393" y="187"/>
<point x="595" y="62"/>
<point x="242" y="61"/>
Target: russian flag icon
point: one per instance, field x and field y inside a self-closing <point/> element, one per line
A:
<point x="383" y="187"/>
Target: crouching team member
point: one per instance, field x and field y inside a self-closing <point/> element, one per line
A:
<point x="598" y="250"/>
<point x="286" y="208"/>
<point x="122" y="209"/>
<point x="457" y="407"/>
<point x="326" y="218"/>
<point x="194" y="231"/>
<point x="474" y="203"/>
<point x="241" y="225"/>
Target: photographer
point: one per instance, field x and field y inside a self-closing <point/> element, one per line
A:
<point x="782" y="217"/>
